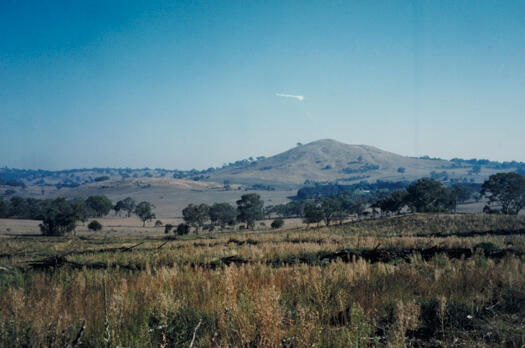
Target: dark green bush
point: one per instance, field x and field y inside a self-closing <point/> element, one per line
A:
<point x="182" y="229"/>
<point x="277" y="223"/>
<point x="94" y="226"/>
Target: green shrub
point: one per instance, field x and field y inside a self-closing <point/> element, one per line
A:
<point x="277" y="223"/>
<point x="94" y="226"/>
<point x="182" y="229"/>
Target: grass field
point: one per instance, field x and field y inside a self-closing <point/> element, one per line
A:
<point x="169" y="196"/>
<point x="416" y="280"/>
<point x="122" y="226"/>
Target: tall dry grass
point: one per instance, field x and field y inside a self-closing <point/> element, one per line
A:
<point x="470" y="302"/>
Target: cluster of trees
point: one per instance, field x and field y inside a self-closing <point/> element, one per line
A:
<point x="126" y="205"/>
<point x="293" y="209"/>
<point x="343" y="204"/>
<point x="36" y="209"/>
<point x="424" y="195"/>
<point x="202" y="216"/>
<point x="335" y="208"/>
<point x="250" y="208"/>
<point x="60" y="216"/>
<point x="505" y="193"/>
<point x="319" y="190"/>
<point x="362" y="169"/>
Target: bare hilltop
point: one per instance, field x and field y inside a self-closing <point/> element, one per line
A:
<point x="330" y="160"/>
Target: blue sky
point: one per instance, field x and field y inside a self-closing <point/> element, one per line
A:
<point x="185" y="85"/>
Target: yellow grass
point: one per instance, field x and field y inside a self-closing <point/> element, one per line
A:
<point x="438" y="302"/>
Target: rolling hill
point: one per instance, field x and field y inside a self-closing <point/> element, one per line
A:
<point x="330" y="161"/>
<point x="275" y="178"/>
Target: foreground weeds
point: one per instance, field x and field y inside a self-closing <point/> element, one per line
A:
<point x="169" y="298"/>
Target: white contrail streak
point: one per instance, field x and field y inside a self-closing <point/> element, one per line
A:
<point x="298" y="97"/>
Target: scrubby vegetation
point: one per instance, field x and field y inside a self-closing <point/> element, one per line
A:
<point x="386" y="282"/>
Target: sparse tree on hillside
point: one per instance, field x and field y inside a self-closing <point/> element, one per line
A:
<point x="350" y="203"/>
<point x="291" y="209"/>
<point x="392" y="203"/>
<point x="312" y="213"/>
<point x="126" y="204"/>
<point x="81" y="212"/>
<point x="144" y="210"/>
<point x="463" y="192"/>
<point x="250" y="209"/>
<point x="58" y="219"/>
<point x="429" y="195"/>
<point x="330" y="208"/>
<point x="196" y="215"/>
<point x="268" y="211"/>
<point x="506" y="190"/>
<point x="340" y="216"/>
<point x="223" y="214"/>
<point x="98" y="205"/>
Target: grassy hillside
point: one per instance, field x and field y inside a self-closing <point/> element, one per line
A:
<point x="330" y="160"/>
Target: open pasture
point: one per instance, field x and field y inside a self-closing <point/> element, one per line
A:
<point x="416" y="280"/>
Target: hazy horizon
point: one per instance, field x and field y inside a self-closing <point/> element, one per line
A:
<point x="247" y="157"/>
<point x="183" y="85"/>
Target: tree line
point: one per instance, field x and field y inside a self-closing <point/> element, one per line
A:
<point x="504" y="192"/>
<point x="60" y="216"/>
<point x="249" y="208"/>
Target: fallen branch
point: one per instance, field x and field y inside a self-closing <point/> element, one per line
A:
<point x="195" y="333"/>
<point x="520" y="231"/>
<point x="318" y="258"/>
<point x="77" y="341"/>
<point x="131" y="247"/>
<point x="242" y="242"/>
<point x="163" y="244"/>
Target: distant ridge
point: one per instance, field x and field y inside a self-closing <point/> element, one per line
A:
<point x="275" y="178"/>
<point x="329" y="160"/>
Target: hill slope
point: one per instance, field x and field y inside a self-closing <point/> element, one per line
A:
<point x="275" y="178"/>
<point x="330" y="160"/>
